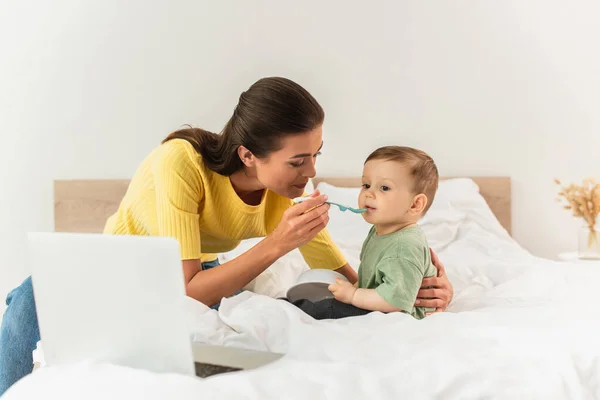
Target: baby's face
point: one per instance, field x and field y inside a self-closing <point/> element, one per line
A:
<point x="386" y="193"/>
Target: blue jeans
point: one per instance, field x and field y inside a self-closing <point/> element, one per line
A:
<point x="20" y="333"/>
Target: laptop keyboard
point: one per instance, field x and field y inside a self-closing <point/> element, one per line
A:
<point x="204" y="370"/>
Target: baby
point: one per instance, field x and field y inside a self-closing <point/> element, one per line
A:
<point x="399" y="184"/>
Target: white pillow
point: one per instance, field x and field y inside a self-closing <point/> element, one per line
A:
<point x="442" y="221"/>
<point x="465" y="199"/>
<point x="346" y="228"/>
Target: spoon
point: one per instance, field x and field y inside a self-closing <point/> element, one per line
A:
<point x="341" y="207"/>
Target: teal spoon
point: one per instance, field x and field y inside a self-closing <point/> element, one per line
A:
<point x="341" y="207"/>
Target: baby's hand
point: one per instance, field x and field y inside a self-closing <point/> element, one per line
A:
<point x="342" y="290"/>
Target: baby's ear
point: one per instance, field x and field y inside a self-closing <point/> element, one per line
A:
<point x="419" y="203"/>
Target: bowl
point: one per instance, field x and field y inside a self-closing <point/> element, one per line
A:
<point x="313" y="285"/>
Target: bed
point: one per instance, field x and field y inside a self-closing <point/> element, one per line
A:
<point x="518" y="327"/>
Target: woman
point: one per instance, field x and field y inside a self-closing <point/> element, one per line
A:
<point x="212" y="191"/>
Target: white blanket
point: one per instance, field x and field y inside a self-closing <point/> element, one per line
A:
<point x="519" y="327"/>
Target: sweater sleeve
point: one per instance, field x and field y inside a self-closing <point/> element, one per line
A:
<point x="179" y="190"/>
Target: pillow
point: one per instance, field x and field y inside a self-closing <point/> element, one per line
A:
<point x="346" y="228"/>
<point x="463" y="198"/>
<point x="442" y="221"/>
<point x="343" y="195"/>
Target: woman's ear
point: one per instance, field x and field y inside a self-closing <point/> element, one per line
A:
<point x="246" y="156"/>
<point x="419" y="203"/>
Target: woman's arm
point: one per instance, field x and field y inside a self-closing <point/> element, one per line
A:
<point x="297" y="227"/>
<point x="210" y="286"/>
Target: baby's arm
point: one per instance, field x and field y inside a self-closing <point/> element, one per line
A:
<point x="400" y="280"/>
<point x="369" y="299"/>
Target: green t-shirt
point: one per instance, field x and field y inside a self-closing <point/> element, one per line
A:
<point x="395" y="265"/>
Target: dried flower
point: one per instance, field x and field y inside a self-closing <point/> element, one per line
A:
<point x="584" y="201"/>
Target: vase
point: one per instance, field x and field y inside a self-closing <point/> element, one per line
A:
<point x="589" y="242"/>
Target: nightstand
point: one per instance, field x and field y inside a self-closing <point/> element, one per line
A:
<point x="571" y="256"/>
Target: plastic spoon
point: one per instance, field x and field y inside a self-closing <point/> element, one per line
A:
<point x="341" y="207"/>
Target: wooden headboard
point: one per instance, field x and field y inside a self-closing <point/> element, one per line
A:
<point x="84" y="205"/>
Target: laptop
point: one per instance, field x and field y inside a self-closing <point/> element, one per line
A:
<point x="120" y="299"/>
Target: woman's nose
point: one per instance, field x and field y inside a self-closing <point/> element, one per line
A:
<point x="310" y="171"/>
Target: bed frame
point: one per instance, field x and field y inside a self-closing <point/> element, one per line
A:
<point x="84" y="205"/>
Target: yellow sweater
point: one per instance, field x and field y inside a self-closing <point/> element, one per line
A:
<point x="174" y="194"/>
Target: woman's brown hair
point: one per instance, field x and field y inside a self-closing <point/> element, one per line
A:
<point x="270" y="109"/>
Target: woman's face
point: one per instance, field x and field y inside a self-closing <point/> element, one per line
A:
<point x="287" y="171"/>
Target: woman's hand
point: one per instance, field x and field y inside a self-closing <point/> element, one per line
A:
<point x="301" y="223"/>
<point x="440" y="296"/>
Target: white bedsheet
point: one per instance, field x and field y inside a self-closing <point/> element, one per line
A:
<point x="519" y="327"/>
